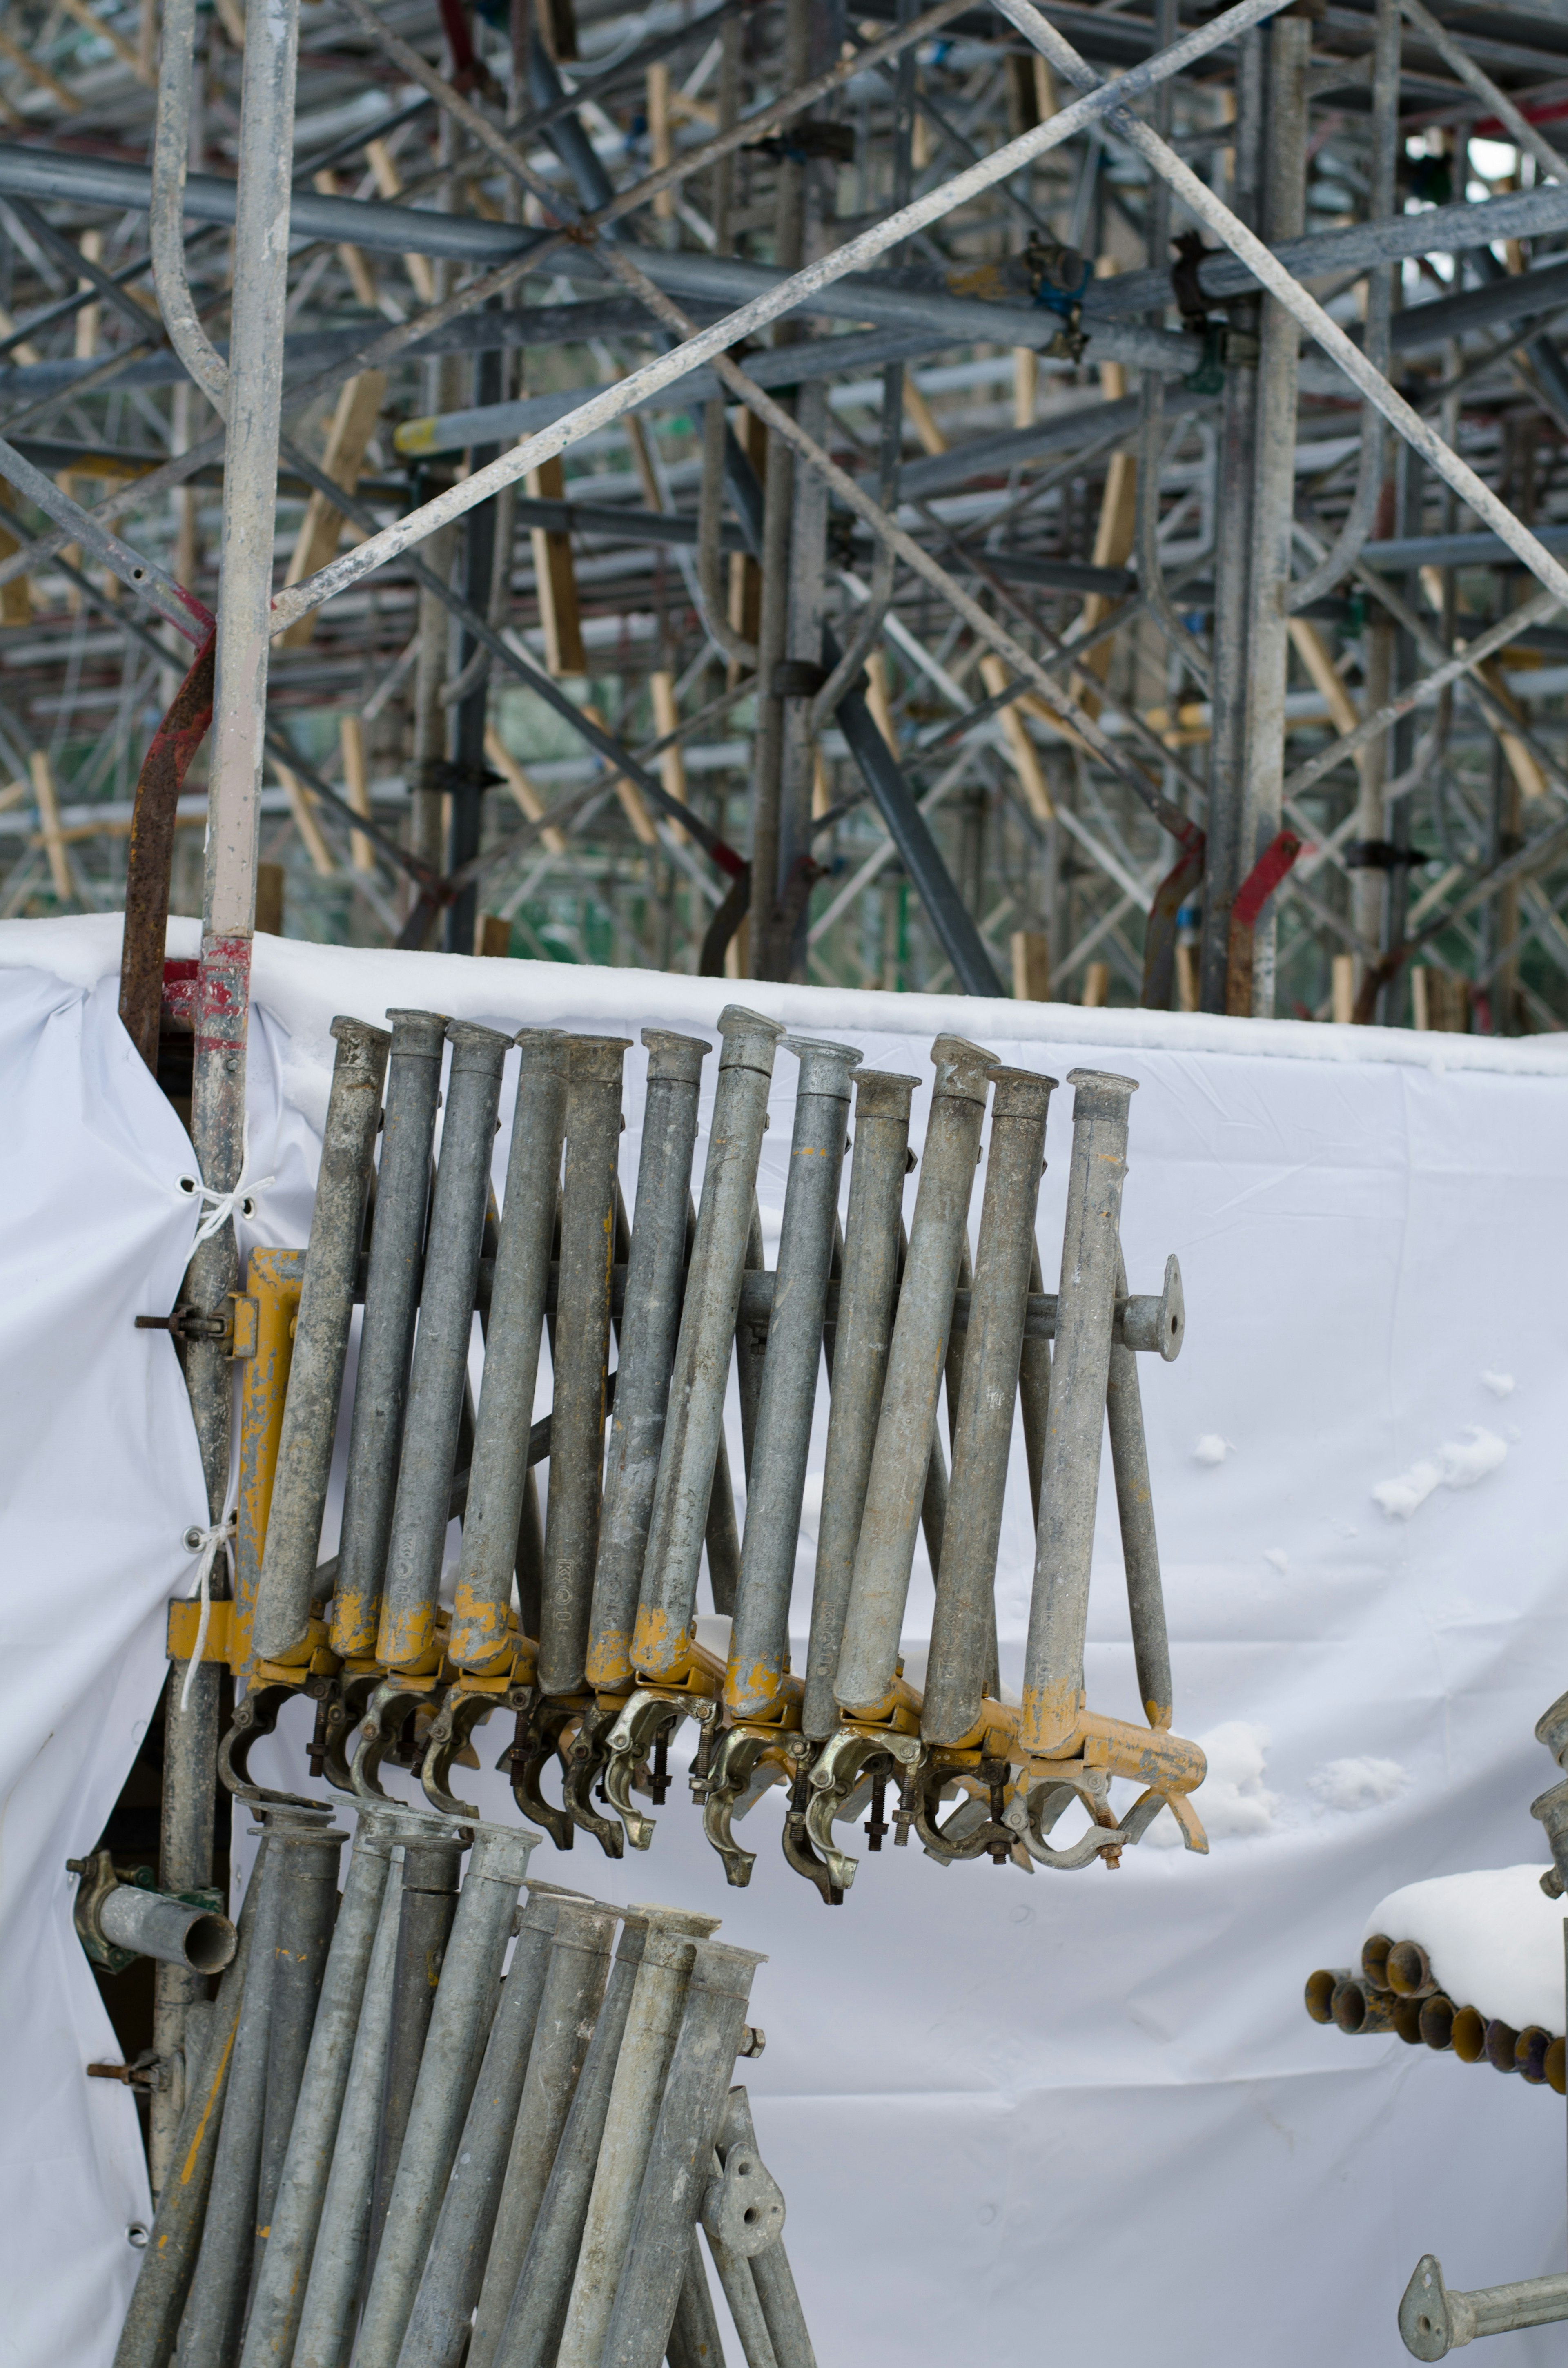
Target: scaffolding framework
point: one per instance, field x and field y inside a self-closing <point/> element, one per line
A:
<point x="1007" y="584"/>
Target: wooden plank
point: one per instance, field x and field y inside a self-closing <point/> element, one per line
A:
<point x="522" y="789"/>
<point x="356" y="789"/>
<point x="54" y="837"/>
<point x="353" y="424"/>
<point x="666" y="718"/>
<point x="1022" y="754"/>
<point x="302" y="806"/>
<point x="389" y="181"/>
<point x="559" y="609"/>
<point x="632" y="803"/>
<point x="1030" y="949"/>
<point x="494" y="936"/>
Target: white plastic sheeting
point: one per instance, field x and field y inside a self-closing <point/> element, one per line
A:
<point x="1015" y="2117"/>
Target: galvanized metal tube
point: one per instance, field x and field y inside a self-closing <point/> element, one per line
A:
<point x="454" y="2267"/>
<point x="321" y="1339"/>
<point x="431" y="1862"/>
<point x="573" y="1992"/>
<point x="307" y="1911"/>
<point x="907" y="1424"/>
<point x="441" y="1347"/>
<point x="871" y="1249"/>
<point x="723" y="1536"/>
<point x="531" y="2335"/>
<point x="693" y="2338"/>
<point x="775" y="2290"/>
<point x="581" y="1358"/>
<point x="689" y="2114"/>
<point x="695" y="1422"/>
<point x="162" y="2282"/>
<point x="640" y="2072"/>
<point x="454" y="2044"/>
<point x="296" y="2210"/>
<point x="386" y="1337"/>
<point x="751" y="1347"/>
<point x="209" y="2329"/>
<point x="1034" y="1391"/>
<point x="537" y="2323"/>
<point x="342" y="2236"/>
<point x="168" y="1930"/>
<point x="1053" y="1660"/>
<point x="1135" y="1511"/>
<point x="963" y="1628"/>
<point x="499" y="1472"/>
<point x="740" y="2292"/>
<point x="759" y="1646"/>
<point x="772" y="2277"/>
<point x="649" y="1325"/>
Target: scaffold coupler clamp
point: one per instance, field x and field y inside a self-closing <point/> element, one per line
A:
<point x="1059" y="276"/>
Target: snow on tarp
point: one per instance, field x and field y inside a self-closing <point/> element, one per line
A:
<point x="1494" y="1941"/>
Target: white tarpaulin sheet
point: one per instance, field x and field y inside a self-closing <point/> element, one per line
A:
<point x="1015" y="2117"/>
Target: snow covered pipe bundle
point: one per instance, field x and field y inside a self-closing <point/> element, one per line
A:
<point x="585" y="1628"/>
<point x="571" y="2126"/>
<point x="1491" y="1933"/>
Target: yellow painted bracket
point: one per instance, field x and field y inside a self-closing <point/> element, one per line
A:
<point x="263" y="1317"/>
<point x="184" y="1620"/>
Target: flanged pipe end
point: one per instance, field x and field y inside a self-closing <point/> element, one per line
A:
<point x="1098" y="1093"/>
<point x="479" y="1049"/>
<point x="1320" y="1988"/>
<point x="882" y="1093"/>
<point x="1551" y="1808"/>
<point x="543" y="1048"/>
<point x="361" y="1044"/>
<point x="418" y="1035"/>
<point x="963" y="1070"/>
<point x="596" y="1060"/>
<point x="1021" y="1093"/>
<point x="685" y="1922"/>
<point x="750" y="1039"/>
<point x="1424" y="2322"/>
<point x="1552" y="1728"/>
<point x="675" y="1059"/>
<point x="824" y="1068"/>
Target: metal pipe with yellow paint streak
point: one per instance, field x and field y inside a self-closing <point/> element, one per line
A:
<point x="498" y="1478"/>
<point x="665" y="1633"/>
<point x="1085" y="1308"/>
<point x="649" y="1328"/>
<point x="273" y="1278"/>
<point x="872" y="1241"/>
<point x="582" y="1357"/>
<point x="151" y="2323"/>
<point x="963" y="1631"/>
<point x="386" y="1340"/>
<point x="885" y="1553"/>
<point x="321" y="1341"/>
<point x="421" y="1509"/>
<point x="759" y="1653"/>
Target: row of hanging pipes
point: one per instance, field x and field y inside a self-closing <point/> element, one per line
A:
<point x="585" y="1624"/>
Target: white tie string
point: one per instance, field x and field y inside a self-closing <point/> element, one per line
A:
<point x="208" y="1543"/>
<point x="223" y="1206"/>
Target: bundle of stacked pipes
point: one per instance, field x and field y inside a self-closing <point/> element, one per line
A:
<point x="1396" y="1991"/>
<point x="585" y="1626"/>
<point x="389" y="2144"/>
